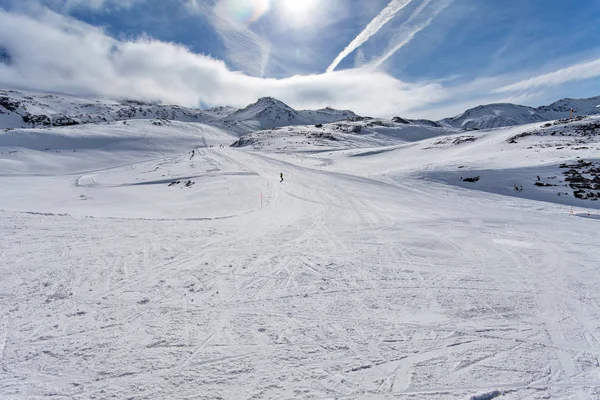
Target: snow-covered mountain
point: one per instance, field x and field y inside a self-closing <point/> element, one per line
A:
<point x="221" y="111"/>
<point x="561" y="108"/>
<point x="30" y="110"/>
<point x="507" y="114"/>
<point x="20" y="109"/>
<point x="494" y="116"/>
<point x="269" y="112"/>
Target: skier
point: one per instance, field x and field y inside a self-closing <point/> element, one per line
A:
<point x="281" y="176"/>
<point x="193" y="154"/>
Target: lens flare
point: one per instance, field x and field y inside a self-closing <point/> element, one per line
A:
<point x="244" y="12"/>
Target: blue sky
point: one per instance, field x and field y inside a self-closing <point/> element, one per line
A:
<point x="420" y="58"/>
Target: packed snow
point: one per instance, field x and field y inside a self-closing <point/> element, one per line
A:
<point x="148" y="259"/>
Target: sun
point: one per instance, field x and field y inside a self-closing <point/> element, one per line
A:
<point x="300" y="6"/>
<point x="298" y="13"/>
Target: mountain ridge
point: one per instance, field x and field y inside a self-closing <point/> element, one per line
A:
<point x="22" y="109"/>
<point x="498" y="115"/>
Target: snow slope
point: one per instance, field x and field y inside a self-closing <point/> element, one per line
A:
<point x="61" y="149"/>
<point x="506" y="161"/>
<point x="130" y="269"/>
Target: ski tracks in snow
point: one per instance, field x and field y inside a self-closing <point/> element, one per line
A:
<point x="340" y="286"/>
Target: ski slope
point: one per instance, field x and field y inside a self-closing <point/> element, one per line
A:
<point x="366" y="274"/>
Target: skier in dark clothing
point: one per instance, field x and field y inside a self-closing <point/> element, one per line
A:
<point x="281" y="176"/>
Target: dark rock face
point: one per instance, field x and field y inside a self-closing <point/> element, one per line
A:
<point x="425" y="122"/>
<point x="322" y="135"/>
<point x="584" y="178"/>
<point x="9" y="104"/>
<point x="399" y="120"/>
<point x="356" y="129"/>
<point x="64" y="121"/>
<point x="242" y="142"/>
<point x="36" y="120"/>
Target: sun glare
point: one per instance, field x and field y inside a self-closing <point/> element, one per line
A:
<point x="298" y="5"/>
<point x="298" y="12"/>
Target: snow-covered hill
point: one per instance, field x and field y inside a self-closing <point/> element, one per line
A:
<point x="84" y="147"/>
<point x="551" y="162"/>
<point x="506" y="114"/>
<point x="355" y="132"/>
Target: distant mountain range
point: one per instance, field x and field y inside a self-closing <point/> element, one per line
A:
<point x="33" y="110"/>
<point x="20" y="109"/>
<point x="506" y="114"/>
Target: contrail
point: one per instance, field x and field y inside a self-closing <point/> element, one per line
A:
<point x="385" y="16"/>
<point x="415" y="24"/>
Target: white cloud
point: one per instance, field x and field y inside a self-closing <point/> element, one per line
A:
<point x="385" y="16"/>
<point x="577" y="72"/>
<point x="52" y="52"/>
<point x="57" y="53"/>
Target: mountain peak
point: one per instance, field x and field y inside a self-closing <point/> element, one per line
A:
<point x="267" y="99"/>
<point x="270" y="101"/>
